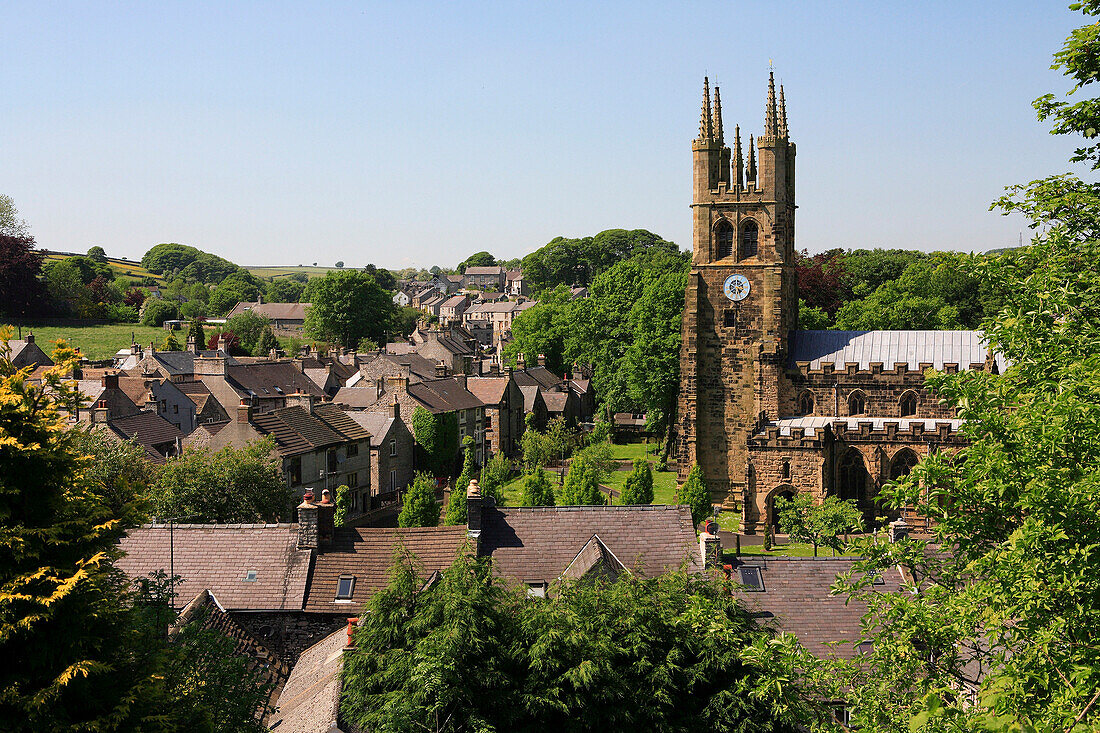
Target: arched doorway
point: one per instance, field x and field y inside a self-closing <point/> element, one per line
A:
<point x="784" y="491"/>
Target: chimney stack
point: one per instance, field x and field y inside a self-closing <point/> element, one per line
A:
<point x="473" y="509"/>
<point x="30" y="338"/>
<point x="396" y="408"/>
<point x="899" y="530"/>
<point x="99" y="414"/>
<point x="542" y="360"/>
<point x="440" y="369"/>
<point x="307" y="523"/>
<point x="521" y="363"/>
<point x="710" y="546"/>
<point x="192" y="345"/>
<point x="298" y="399"/>
<point x="244" y="413"/>
<point x="326" y="519"/>
<point x="110" y="381"/>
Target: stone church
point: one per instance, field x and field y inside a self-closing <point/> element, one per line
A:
<point x="765" y="409"/>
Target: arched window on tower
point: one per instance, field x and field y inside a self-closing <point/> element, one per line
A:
<point x="723" y="236"/>
<point x="908" y="404"/>
<point x="785" y="469"/>
<point x="806" y="403"/>
<point x="903" y="463"/>
<point x="750" y="233"/>
<point x="857" y="403"/>
<point x="852" y="476"/>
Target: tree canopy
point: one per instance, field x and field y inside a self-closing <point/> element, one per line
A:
<point x="348" y="306"/>
<point x="564" y="261"/>
<point x="419" y="507"/>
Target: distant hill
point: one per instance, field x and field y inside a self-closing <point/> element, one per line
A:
<point x="121" y="266"/>
<point x="308" y="271"/>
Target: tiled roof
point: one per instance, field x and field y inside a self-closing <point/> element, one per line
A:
<point x="495" y="270"/>
<point x="273" y="379"/>
<point x="796" y="595"/>
<point x="444" y="395"/>
<point x="490" y="390"/>
<point x="888" y="348"/>
<point x="530" y="396"/>
<point x="310" y="699"/>
<point x="297" y="431"/>
<point x="453" y="301"/>
<point x="339" y="420"/>
<point x="218" y="557"/>
<point x="367" y="554"/>
<point x="273" y="311"/>
<point x="364" y="396"/>
<point x="536" y="375"/>
<point x="378" y="424"/>
<point x="555" y="401"/>
<point x="810" y="424"/>
<point x="537" y="544"/>
<point x="147" y="428"/>
<point x="196" y="391"/>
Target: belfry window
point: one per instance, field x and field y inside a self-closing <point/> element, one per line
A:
<point x="750" y="234"/>
<point x="723" y="236"/>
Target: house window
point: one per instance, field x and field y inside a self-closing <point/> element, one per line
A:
<point x="857" y="403"/>
<point x="296" y="471"/>
<point x="175" y="409"/>
<point x="723" y="236"/>
<point x="462" y="417"/>
<point x="750" y="234"/>
<point x="393" y="447"/>
<point x="353" y="450"/>
<point x="751" y="577"/>
<point x="353" y="480"/>
<point x="908" y="404"/>
<point x="345" y="587"/>
<point x="806" y="404"/>
<point x="332" y="464"/>
<point x="536" y="590"/>
<point x="393" y="480"/>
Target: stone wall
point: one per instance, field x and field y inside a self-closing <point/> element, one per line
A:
<point x="289" y="633"/>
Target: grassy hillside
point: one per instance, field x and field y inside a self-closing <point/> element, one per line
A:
<point x="127" y="268"/>
<point x="311" y="272"/>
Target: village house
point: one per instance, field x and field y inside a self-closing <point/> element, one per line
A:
<point x="393" y="453"/>
<point x="451" y="310"/>
<point x="504" y="415"/>
<point x="163" y="397"/>
<point x="287" y="317"/>
<point x="484" y="278"/>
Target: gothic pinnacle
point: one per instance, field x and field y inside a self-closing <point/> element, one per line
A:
<point x="738" y="161"/>
<point x="770" y="120"/>
<point x="783" y="133"/>
<point x="751" y="174"/>
<point x="718" y="134"/>
<point x="706" y="128"/>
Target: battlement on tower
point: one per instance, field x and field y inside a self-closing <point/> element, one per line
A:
<point x="814" y="432"/>
<point x="876" y="368"/>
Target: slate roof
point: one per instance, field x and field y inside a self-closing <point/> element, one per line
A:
<point x="273" y="379"/>
<point x="796" y="596"/>
<point x="888" y="347"/>
<point x="310" y="698"/>
<point x="183" y="362"/>
<point x="378" y="424"/>
<point x="444" y="395"/>
<point x="360" y="397"/>
<point x="273" y="311"/>
<point x="490" y="390"/>
<point x="537" y="376"/>
<point x="218" y="557"/>
<point x="555" y="401"/>
<point x="537" y="544"/>
<point x="147" y="428"/>
<point x="495" y="270"/>
<point x="298" y="431"/>
<point x="367" y="554"/>
<point x="196" y="391"/>
<point x="810" y="424"/>
<point x="453" y="301"/>
<point x="530" y="395"/>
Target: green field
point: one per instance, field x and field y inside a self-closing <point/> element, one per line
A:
<point x="311" y="272"/>
<point x="95" y="342"/>
<point x="792" y="549"/>
<point x="124" y="268"/>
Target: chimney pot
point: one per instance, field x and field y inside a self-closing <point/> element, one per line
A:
<point x="352" y="623"/>
<point x="30" y="338"/>
<point x="244" y="413"/>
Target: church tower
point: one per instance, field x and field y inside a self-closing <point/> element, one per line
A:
<point x="741" y="301"/>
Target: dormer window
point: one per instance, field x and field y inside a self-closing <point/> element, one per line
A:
<point x="345" y="587"/>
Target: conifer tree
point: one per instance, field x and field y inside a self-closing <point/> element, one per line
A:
<point x="537" y="490"/>
<point x="456" y="505"/>
<point x="63" y="617"/>
<point x="694" y="494"/>
<point x="638" y="488"/>
<point x="195" y="331"/>
<point x="266" y="343"/>
<point x="582" y="483"/>
<point x="171" y="343"/>
<point x="420" y="509"/>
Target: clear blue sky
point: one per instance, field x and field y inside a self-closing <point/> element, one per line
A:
<point x="417" y="133"/>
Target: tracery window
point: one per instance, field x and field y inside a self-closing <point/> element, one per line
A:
<point x="902" y="464"/>
<point x="852" y="476"/>
<point x="857" y="403"/>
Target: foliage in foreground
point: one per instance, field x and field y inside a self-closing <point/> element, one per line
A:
<point x="419" y="507"/>
<point x="805" y="519"/>
<point x="673" y="653"/>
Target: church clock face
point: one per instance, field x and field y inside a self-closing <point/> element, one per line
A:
<point x="736" y="287"/>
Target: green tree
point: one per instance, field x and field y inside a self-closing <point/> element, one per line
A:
<point x="592" y="656"/>
<point x="420" y="508"/>
<point x="477" y="259"/>
<point x="582" y="483"/>
<point x="64" y="624"/>
<point x="156" y="311"/>
<point x="1017" y="594"/>
<point x="804" y="519"/>
<point x="266" y="343"/>
<point x="638" y="488"/>
<point x="195" y="332"/>
<point x="97" y="254"/>
<point x="342" y="505"/>
<point x="494" y="474"/>
<point x="456" y="505"/>
<point x="239" y="287"/>
<point x="693" y="493"/>
<point x="230" y="485"/>
<point x="536" y="449"/>
<point x="249" y="328"/>
<point x="339" y="264"/>
<point x="284" y="290"/>
<point x="171" y="343"/>
<point x="348" y="306"/>
<point x="21" y="290"/>
<point x="11" y="225"/>
<point x="437" y="435"/>
<point x="537" y="490"/>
